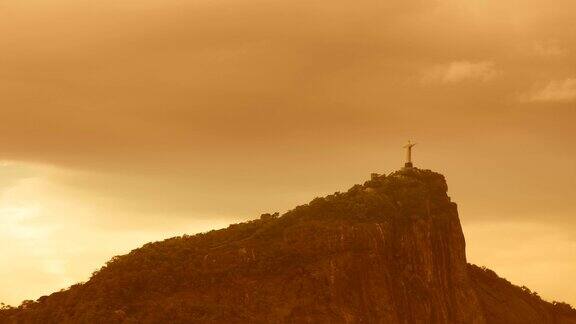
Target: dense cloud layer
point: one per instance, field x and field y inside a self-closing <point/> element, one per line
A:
<point x="151" y="115"/>
<point x="90" y="83"/>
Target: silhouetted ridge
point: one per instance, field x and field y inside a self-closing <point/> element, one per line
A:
<point x="521" y="305"/>
<point x="388" y="251"/>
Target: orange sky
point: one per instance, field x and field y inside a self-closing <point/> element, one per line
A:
<point x="129" y="121"/>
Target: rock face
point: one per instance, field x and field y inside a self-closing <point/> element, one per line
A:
<point x="389" y="251"/>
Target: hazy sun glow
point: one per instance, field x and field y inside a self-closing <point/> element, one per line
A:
<point x="51" y="235"/>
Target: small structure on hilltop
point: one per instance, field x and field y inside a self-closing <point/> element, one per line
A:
<point x="408" y="148"/>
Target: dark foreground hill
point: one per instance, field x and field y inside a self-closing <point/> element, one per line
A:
<point x="389" y="251"/>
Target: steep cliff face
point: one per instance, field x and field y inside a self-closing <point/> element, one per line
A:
<point x="389" y="251"/>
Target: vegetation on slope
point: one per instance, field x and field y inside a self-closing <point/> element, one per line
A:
<point x="506" y="303"/>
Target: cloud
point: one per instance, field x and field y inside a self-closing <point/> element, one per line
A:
<point x="459" y="71"/>
<point x="554" y="91"/>
<point x="551" y="49"/>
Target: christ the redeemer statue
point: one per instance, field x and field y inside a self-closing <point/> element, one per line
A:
<point x="408" y="148"/>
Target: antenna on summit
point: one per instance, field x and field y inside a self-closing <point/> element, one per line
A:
<point x="408" y="148"/>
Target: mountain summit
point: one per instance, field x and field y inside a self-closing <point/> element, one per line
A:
<point x="388" y="251"/>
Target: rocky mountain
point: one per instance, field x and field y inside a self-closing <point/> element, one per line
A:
<point x="388" y="251"/>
